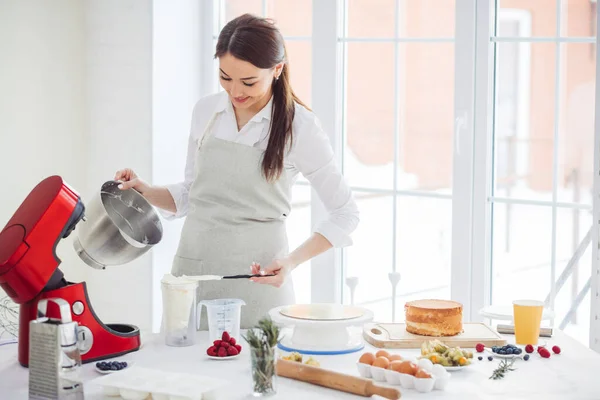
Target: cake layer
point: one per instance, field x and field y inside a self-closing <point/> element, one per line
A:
<point x="434" y="317"/>
<point x="433" y="329"/>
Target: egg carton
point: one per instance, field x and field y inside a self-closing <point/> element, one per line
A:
<point x="438" y="381"/>
<point x="138" y="383"/>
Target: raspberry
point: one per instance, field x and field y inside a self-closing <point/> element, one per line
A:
<point x="232" y="341"/>
<point x="232" y="351"/>
<point x="224" y="345"/>
<point x="212" y="351"/>
<point x="556" y="349"/>
<point x="225" y="337"/>
<point x="222" y="352"/>
<point x="238" y="347"/>
<point x="529" y="348"/>
<point x="479" y="347"/>
<point x="539" y="349"/>
<point x="544" y="352"/>
<point x="217" y="343"/>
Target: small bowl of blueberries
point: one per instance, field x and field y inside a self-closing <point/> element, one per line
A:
<point x="108" y="367"/>
<point x="507" y="351"/>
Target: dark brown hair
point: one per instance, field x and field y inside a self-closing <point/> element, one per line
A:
<point x="258" y="41"/>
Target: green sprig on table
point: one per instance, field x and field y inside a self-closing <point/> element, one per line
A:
<point x="502" y="369"/>
<point x="262" y="340"/>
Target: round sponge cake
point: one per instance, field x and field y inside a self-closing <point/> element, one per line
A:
<point x="434" y="317"/>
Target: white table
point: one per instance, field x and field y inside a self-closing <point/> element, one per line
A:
<point x="570" y="375"/>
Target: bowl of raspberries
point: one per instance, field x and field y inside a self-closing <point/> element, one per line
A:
<point x="225" y="348"/>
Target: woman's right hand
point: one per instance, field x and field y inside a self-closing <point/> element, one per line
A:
<point x="130" y="180"/>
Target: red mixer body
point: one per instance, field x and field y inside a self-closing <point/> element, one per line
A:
<point x="29" y="271"/>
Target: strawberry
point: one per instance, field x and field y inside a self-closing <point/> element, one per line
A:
<point x="479" y="347"/>
<point x="238" y="347"/>
<point x="556" y="349"/>
<point x="225" y="337"/>
<point x="225" y="345"/>
<point x="217" y="343"/>
<point x="232" y="351"/>
<point x="212" y="351"/>
<point x="544" y="352"/>
<point x="232" y="341"/>
<point x="529" y="348"/>
<point x="222" y="352"/>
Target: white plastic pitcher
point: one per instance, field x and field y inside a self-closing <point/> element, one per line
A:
<point x="223" y="315"/>
<point x="179" y="322"/>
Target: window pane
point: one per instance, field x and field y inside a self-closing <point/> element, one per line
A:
<point x="298" y="230"/>
<point x="371" y="18"/>
<point x="370" y="257"/>
<point x="521" y="252"/>
<point x="578" y="18"/>
<point x="578" y="94"/>
<point x="524" y="120"/>
<point x="536" y="17"/>
<point x="572" y="227"/>
<point x="300" y="63"/>
<point x="235" y="8"/>
<point x="427" y="18"/>
<point x="368" y="147"/>
<point x="426" y="112"/>
<point x="423" y="244"/>
<point x="294" y="18"/>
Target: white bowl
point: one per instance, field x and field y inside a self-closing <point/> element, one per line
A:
<point x="392" y="377"/>
<point x="364" y="370"/>
<point x="378" y="374"/>
<point x="407" y="381"/>
<point x="424" y="385"/>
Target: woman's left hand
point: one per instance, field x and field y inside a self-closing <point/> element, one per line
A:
<point x="280" y="267"/>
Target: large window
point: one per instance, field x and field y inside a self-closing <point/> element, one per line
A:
<point x="466" y="130"/>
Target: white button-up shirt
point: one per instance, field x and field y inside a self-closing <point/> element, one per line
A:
<point x="311" y="155"/>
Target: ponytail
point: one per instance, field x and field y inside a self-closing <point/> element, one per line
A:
<point x="280" y="133"/>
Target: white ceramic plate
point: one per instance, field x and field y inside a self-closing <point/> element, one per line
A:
<point x="322" y="312"/>
<point x="457" y="368"/>
<point x="506" y="356"/>
<point x="223" y="358"/>
<point x="98" y="370"/>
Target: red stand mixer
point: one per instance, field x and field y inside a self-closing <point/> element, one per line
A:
<point x="118" y="227"/>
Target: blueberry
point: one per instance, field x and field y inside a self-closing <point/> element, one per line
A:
<point x="503" y="352"/>
<point x="517" y="351"/>
<point x="490" y="358"/>
<point x="124" y="364"/>
<point x="511" y="346"/>
<point x="494" y="349"/>
<point x="526" y="357"/>
<point x="509" y="351"/>
<point x="480" y="358"/>
<point x="113" y="368"/>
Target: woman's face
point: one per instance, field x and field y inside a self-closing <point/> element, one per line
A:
<point x="246" y="84"/>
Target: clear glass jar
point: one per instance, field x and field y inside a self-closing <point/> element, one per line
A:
<point x="264" y="378"/>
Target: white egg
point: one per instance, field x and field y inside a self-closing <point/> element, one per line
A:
<point x="111" y="391"/>
<point x="438" y="370"/>
<point x="128" y="394"/>
<point x="426" y="364"/>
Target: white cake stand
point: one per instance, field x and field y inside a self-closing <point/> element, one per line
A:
<point x="321" y="337"/>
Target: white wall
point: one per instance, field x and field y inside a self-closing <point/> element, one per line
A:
<point x="176" y="88"/>
<point x="86" y="88"/>
<point x="42" y="103"/>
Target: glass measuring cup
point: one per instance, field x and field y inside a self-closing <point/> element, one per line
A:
<point x="223" y="315"/>
<point x="179" y="320"/>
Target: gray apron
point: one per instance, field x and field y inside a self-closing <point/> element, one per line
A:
<point x="235" y="218"/>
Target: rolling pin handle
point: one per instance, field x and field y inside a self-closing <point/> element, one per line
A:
<point x="385" y="392"/>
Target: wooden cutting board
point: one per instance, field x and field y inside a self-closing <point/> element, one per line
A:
<point x="395" y="336"/>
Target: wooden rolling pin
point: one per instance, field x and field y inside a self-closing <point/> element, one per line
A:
<point x="333" y="380"/>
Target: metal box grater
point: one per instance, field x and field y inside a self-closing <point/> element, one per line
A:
<point x="54" y="357"/>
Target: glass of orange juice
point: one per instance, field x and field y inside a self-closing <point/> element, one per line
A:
<point x="527" y="318"/>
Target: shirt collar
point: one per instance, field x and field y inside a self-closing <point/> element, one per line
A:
<point x="224" y="104"/>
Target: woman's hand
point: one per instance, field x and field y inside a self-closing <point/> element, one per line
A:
<point x="130" y="180"/>
<point x="280" y="267"/>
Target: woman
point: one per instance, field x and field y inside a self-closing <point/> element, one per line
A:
<point x="246" y="148"/>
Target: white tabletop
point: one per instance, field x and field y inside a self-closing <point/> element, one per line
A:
<point x="570" y="375"/>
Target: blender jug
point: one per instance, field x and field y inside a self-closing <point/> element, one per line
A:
<point x="179" y="322"/>
<point x="223" y="315"/>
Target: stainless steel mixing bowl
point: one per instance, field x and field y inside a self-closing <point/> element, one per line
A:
<point x="120" y="226"/>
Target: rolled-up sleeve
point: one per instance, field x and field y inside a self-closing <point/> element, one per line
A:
<point x="313" y="156"/>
